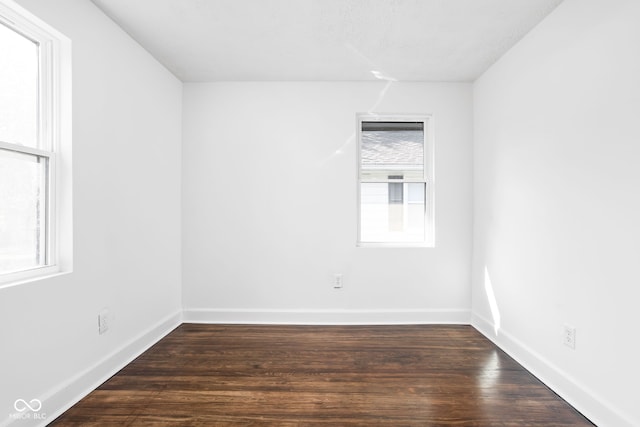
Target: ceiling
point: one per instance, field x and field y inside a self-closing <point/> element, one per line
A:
<point x="327" y="40"/>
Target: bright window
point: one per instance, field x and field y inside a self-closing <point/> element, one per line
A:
<point x="33" y="133"/>
<point x="395" y="181"/>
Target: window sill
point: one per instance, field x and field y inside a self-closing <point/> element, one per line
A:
<point x="29" y="276"/>
<point x="400" y="245"/>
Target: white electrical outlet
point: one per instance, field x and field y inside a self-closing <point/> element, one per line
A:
<point x="569" y="336"/>
<point x="103" y="321"/>
<point x="337" y="280"/>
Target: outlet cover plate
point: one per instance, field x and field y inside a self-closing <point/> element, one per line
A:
<point x="103" y="321"/>
<point x="569" y="336"/>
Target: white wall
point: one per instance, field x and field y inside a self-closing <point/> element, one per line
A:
<point x="269" y="206"/>
<point x="126" y="149"/>
<point x="556" y="231"/>
<point x="269" y="209"/>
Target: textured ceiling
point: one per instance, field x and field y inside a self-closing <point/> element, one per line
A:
<point x="327" y="40"/>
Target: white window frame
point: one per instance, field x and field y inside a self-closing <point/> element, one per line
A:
<point x="54" y="139"/>
<point x="429" y="218"/>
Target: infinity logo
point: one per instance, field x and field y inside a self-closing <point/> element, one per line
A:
<point x="22" y="405"/>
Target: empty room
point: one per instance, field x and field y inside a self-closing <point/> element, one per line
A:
<point x="319" y="212"/>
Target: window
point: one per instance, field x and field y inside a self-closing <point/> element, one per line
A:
<point x="34" y="138"/>
<point x="395" y="182"/>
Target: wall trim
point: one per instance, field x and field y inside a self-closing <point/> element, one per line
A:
<point x="583" y="399"/>
<point x="70" y="392"/>
<point x="580" y="397"/>
<point x="328" y="317"/>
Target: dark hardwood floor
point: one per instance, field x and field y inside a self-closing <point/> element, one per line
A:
<point x="232" y="375"/>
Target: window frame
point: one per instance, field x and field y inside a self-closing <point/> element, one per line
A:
<point x="53" y="140"/>
<point x="428" y="178"/>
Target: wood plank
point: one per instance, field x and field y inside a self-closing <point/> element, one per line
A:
<point x="251" y="375"/>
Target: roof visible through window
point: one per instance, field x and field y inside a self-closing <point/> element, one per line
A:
<point x="392" y="145"/>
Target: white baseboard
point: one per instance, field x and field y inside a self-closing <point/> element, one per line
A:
<point x="584" y="400"/>
<point x="72" y="391"/>
<point x="327" y="317"/>
<point x="580" y="397"/>
<point x="67" y="394"/>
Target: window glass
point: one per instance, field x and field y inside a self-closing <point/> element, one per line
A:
<point x="392" y="182"/>
<point x="392" y="150"/>
<point x="18" y="88"/>
<point x="23" y="191"/>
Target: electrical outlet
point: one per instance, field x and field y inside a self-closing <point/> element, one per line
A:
<point x="337" y="281"/>
<point x="569" y="336"/>
<point x="103" y="321"/>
